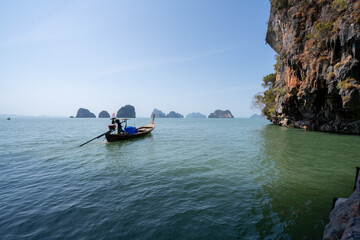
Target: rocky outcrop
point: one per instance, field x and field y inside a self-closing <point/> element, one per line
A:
<point x="318" y="80"/>
<point x="345" y="217"/>
<point x="173" y="114"/>
<point x="158" y="113"/>
<point x="126" y="111"/>
<point x="84" y="113"/>
<point x="104" y="114"/>
<point x="195" y="115"/>
<point x="221" y="114"/>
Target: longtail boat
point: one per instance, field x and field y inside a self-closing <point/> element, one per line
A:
<point x="128" y="132"/>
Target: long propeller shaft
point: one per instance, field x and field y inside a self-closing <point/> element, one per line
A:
<point x="94" y="139"/>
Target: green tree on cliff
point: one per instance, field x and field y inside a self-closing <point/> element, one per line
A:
<point x="266" y="100"/>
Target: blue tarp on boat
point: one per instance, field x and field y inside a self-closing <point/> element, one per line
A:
<point x="131" y="130"/>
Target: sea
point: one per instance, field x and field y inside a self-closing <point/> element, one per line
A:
<point x="189" y="179"/>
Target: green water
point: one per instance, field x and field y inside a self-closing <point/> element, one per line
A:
<point x="190" y="179"/>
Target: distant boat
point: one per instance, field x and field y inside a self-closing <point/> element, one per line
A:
<point x="8" y="119"/>
<point x="129" y="132"/>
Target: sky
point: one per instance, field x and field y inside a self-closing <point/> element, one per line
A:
<point x="174" y="55"/>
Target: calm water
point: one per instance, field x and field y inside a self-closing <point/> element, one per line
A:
<point x="191" y="179"/>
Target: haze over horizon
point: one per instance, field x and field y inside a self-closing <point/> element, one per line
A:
<point x="184" y="56"/>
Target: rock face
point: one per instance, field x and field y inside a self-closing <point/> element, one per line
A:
<point x="221" y="114"/>
<point x="173" y="114"/>
<point x="158" y="113"/>
<point x="345" y="218"/>
<point x="104" y="114"/>
<point x="195" y="115"/>
<point x="318" y="43"/>
<point x="126" y="111"/>
<point x="84" y="113"/>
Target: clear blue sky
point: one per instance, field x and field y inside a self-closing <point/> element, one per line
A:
<point x="181" y="55"/>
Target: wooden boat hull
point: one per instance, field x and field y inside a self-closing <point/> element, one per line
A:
<point x="142" y="131"/>
<point x="120" y="137"/>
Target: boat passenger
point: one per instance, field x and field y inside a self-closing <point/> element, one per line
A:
<point x="120" y="130"/>
<point x="111" y="127"/>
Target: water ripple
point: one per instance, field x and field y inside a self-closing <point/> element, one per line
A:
<point x="190" y="179"/>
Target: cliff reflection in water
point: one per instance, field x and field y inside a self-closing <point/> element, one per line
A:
<point x="298" y="174"/>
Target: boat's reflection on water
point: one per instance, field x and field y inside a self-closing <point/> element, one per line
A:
<point x="115" y="146"/>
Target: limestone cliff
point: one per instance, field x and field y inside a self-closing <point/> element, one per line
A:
<point x="173" y="114"/>
<point x="84" y="113"/>
<point x="318" y="80"/>
<point x="104" y="114"/>
<point x="345" y="217"/>
<point x="126" y="111"/>
<point x="221" y="114"/>
<point x="195" y="115"/>
<point x="158" y="113"/>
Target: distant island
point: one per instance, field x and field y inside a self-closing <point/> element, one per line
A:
<point x="160" y="114"/>
<point x="84" y="113"/>
<point x="221" y="114"/>
<point x="173" y="114"/>
<point x="104" y="114"/>
<point x="195" y="115"/>
<point x="126" y="111"/>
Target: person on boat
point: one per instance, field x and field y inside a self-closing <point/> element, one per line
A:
<point x="120" y="130"/>
<point x="112" y="125"/>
